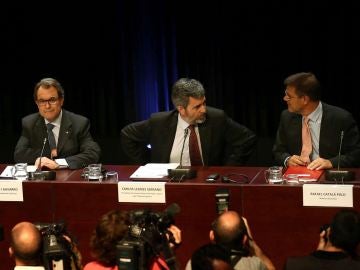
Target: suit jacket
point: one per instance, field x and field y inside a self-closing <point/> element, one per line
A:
<point x="334" y="120"/>
<point x="75" y="143"/>
<point x="322" y="260"/>
<point x="223" y="141"/>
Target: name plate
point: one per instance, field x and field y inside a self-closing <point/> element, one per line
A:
<point x="11" y="191"/>
<point x="141" y="192"/>
<point x="328" y="195"/>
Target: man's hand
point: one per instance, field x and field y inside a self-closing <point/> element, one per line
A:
<point x="320" y="164"/>
<point x="174" y="235"/>
<point x="296" y="161"/>
<point x="322" y="241"/>
<point x="46" y="162"/>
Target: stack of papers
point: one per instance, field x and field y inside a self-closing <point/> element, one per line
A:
<point x="153" y="170"/>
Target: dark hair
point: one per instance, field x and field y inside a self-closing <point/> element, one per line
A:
<point x="305" y="84"/>
<point x="185" y="88"/>
<point x="229" y="236"/>
<point x="203" y="258"/>
<point x="110" y="229"/>
<point x="345" y="231"/>
<point x="47" y="83"/>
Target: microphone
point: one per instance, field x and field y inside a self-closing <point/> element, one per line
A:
<point x="186" y="132"/>
<point x="337" y="175"/>
<point x="181" y="172"/>
<point x="41" y="155"/>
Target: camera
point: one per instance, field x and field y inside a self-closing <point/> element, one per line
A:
<point x="57" y="253"/>
<point x="147" y="237"/>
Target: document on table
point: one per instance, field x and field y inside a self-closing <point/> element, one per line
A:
<point x="154" y="170"/>
<point x="7" y="172"/>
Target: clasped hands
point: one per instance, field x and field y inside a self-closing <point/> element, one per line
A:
<point x="316" y="164"/>
<point x="46" y="162"/>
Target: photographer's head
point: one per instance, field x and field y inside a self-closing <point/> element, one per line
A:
<point x="211" y="257"/>
<point x="229" y="230"/>
<point x="344" y="231"/>
<point x="25" y="244"/>
<point x="110" y="229"/>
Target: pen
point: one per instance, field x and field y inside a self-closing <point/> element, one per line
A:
<point x="303" y="174"/>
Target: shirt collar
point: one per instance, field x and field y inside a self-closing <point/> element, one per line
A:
<point x="56" y="122"/>
<point x="182" y="123"/>
<point x="316" y="114"/>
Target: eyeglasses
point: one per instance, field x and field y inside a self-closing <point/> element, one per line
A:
<point x="288" y="96"/>
<point x="51" y="101"/>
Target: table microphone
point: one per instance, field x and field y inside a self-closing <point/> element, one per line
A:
<point x="181" y="172"/>
<point x="41" y="155"/>
<point x="339" y="175"/>
<point x="47" y="175"/>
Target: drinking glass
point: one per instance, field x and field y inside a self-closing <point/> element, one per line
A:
<point x="19" y="171"/>
<point x="111" y="176"/>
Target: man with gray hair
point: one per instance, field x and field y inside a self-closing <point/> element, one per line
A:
<point x="192" y="134"/>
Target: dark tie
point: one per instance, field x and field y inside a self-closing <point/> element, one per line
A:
<point x="51" y="138"/>
<point x="194" y="150"/>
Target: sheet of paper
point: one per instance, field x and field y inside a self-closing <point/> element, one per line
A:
<point x="154" y="170"/>
<point x="7" y="172"/>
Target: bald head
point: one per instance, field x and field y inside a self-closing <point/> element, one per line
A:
<point x="229" y="229"/>
<point x="25" y="243"/>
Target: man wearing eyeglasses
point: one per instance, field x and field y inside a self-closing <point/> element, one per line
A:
<point x="310" y="131"/>
<point x="61" y="137"/>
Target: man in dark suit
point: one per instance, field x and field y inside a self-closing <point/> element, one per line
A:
<point x="64" y="136"/>
<point x="326" y="126"/>
<point x="337" y="248"/>
<point x="221" y="140"/>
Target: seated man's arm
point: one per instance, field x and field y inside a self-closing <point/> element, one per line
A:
<point x="134" y="138"/>
<point x="89" y="150"/>
<point x="240" y="143"/>
<point x="24" y="151"/>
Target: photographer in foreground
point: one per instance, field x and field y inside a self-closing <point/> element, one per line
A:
<point x="25" y="246"/>
<point x="110" y="230"/>
<point x="337" y="248"/>
<point x="233" y="232"/>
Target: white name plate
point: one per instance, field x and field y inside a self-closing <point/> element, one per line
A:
<point x="141" y="192"/>
<point x="11" y="191"/>
<point x="328" y="195"/>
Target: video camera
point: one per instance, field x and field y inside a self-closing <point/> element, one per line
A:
<point x="57" y="251"/>
<point x="146" y="238"/>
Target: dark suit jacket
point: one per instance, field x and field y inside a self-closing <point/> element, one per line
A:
<point x="75" y="143"/>
<point x="223" y="141"/>
<point x="322" y="260"/>
<point x="334" y="120"/>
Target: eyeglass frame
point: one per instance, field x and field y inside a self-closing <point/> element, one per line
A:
<point x="50" y="101"/>
<point x="289" y="97"/>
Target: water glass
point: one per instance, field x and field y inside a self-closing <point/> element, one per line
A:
<point x="274" y="175"/>
<point x="19" y="171"/>
<point x="93" y="172"/>
<point x="111" y="176"/>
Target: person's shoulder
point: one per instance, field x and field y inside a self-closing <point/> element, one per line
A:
<point x="74" y="116"/>
<point x="215" y="111"/>
<point x="32" y="117"/>
<point x="94" y="265"/>
<point x="163" y="116"/>
<point x="335" y="110"/>
<point x="251" y="262"/>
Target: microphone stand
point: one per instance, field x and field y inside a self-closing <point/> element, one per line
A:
<point x="336" y="174"/>
<point x="181" y="172"/>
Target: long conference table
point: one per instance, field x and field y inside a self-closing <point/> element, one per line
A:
<point x="280" y="224"/>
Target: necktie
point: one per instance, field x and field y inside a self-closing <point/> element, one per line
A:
<point x="194" y="150"/>
<point x="51" y="138"/>
<point x="306" y="141"/>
